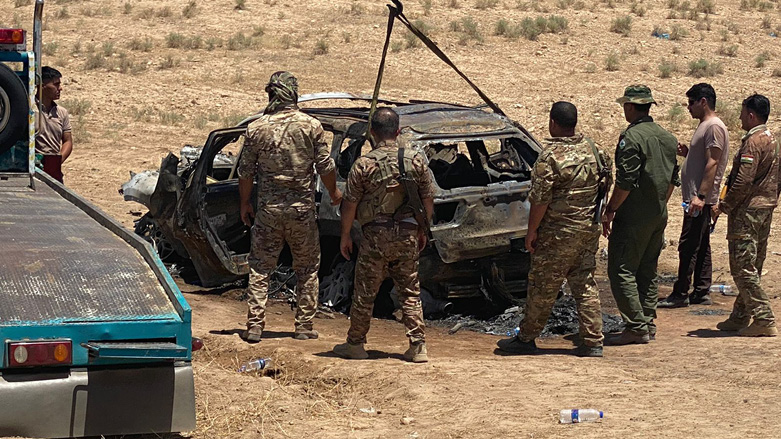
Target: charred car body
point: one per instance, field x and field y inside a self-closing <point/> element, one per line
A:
<point x="481" y="162"/>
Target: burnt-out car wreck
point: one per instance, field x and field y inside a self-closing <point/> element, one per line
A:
<point x="480" y="161"/>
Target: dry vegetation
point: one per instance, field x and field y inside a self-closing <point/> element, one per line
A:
<point x="143" y="77"/>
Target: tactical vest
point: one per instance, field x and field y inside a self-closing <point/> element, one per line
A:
<point x="389" y="194"/>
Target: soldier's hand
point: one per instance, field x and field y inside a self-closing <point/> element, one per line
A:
<point x="531" y="240"/>
<point x="683" y="150"/>
<point x="346" y="246"/>
<point x="714" y="212"/>
<point x="422" y="239"/>
<point x="607" y="219"/>
<point x="336" y="197"/>
<point x="247" y="214"/>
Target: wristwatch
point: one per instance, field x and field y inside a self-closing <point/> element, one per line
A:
<point x="701" y="197"/>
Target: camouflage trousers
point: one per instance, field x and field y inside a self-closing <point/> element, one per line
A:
<point x="386" y="251"/>
<point x="272" y="228"/>
<point x="747" y="233"/>
<point x="560" y="256"/>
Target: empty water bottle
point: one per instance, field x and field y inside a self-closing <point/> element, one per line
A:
<point x="723" y="289"/>
<point x="685" y="206"/>
<point x="256" y="364"/>
<point x="583" y="415"/>
<point x="514" y="332"/>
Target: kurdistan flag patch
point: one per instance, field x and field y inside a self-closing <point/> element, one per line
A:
<point x="746" y="158"/>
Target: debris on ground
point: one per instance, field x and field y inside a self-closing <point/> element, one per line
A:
<point x="563" y="320"/>
<point x="708" y="312"/>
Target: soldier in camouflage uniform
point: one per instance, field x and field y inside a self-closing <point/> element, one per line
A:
<point x="283" y="148"/>
<point x="392" y="238"/>
<point x="563" y="235"/>
<point x="754" y="185"/>
<point x="636" y="215"/>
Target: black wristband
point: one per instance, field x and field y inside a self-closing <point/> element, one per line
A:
<point x="701" y="197"/>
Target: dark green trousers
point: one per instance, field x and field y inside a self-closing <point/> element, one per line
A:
<point x="633" y="254"/>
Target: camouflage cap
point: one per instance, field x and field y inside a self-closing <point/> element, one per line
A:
<point x="637" y="94"/>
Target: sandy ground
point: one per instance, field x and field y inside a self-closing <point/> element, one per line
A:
<point x="134" y="98"/>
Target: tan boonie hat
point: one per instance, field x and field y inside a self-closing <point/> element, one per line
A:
<point x="637" y="94"/>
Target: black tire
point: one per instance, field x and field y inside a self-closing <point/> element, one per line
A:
<point x="14" y="109"/>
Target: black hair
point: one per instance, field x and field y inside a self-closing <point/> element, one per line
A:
<point x="758" y="105"/>
<point x="703" y="90"/>
<point x="385" y="123"/>
<point x="564" y="114"/>
<point x="49" y="74"/>
<point x="643" y="108"/>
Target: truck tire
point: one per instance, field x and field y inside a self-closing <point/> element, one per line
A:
<point x="14" y="109"/>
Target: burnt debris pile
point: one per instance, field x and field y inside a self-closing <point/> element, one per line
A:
<point x="563" y="320"/>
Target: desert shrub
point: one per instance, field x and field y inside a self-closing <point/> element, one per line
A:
<point x="76" y="107"/>
<point x="731" y="51"/>
<point x="190" y="10"/>
<point x="240" y="5"/>
<point x="612" y="62"/>
<point x="140" y="45"/>
<point x="678" y="32"/>
<point x="321" y="47"/>
<point x="95" y="60"/>
<point x="239" y="41"/>
<point x="676" y="114"/>
<point x="667" y="68"/>
<point x="164" y="12"/>
<point x="703" y="67"/>
<point x="706" y="6"/>
<point x="622" y="25"/>
<point x="50" y="48"/>
<point x="486" y="4"/>
<point x="169" y="62"/>
<point x="761" y="59"/>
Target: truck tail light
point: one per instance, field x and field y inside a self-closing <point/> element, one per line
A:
<point x="40" y="353"/>
<point x="11" y="36"/>
<point x="197" y="344"/>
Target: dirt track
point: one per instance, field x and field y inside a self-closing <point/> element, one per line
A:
<point x="136" y="107"/>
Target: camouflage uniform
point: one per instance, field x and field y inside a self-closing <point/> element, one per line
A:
<point x="754" y="184"/>
<point x="281" y="148"/>
<point x="389" y="246"/>
<point x="566" y="177"/>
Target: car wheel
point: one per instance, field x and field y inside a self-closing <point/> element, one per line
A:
<point x="147" y="228"/>
<point x="14" y="109"/>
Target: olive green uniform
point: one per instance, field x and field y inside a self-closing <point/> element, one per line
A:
<point x="646" y="166"/>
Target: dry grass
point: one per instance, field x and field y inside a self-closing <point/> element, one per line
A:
<point x="667" y="68"/>
<point x="613" y="62"/>
<point x="191" y="10"/>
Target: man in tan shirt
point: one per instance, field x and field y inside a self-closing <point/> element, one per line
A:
<point x="701" y="175"/>
<point x="54" y="139"/>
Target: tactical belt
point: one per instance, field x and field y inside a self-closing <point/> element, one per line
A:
<point x="389" y="224"/>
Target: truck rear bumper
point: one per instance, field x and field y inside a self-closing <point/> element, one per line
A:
<point x="94" y="402"/>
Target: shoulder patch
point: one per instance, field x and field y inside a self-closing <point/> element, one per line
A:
<point x="746" y="158"/>
<point x="622" y="144"/>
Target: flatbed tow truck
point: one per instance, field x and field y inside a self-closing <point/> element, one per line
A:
<point x="95" y="337"/>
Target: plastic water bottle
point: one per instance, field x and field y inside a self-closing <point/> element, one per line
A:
<point x="256" y="364"/>
<point x="723" y="289"/>
<point x="685" y="206"/>
<point x="583" y="415"/>
<point x="514" y="332"/>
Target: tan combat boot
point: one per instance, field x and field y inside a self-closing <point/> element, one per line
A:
<point x="417" y="353"/>
<point x="759" y="330"/>
<point x="306" y="334"/>
<point x="252" y="335"/>
<point x="351" y="351"/>
<point x="731" y="325"/>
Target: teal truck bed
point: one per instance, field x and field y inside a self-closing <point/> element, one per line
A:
<point x="95" y="334"/>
